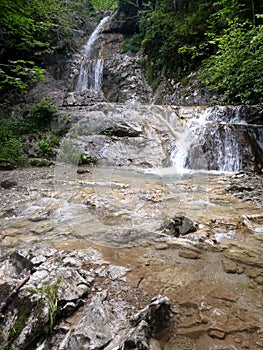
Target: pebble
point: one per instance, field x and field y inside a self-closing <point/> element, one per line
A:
<point x="7" y="184"/>
<point x="10" y="232"/>
<point x="161" y="246"/>
<point x="217" y="334"/>
<point x="229" y="266"/>
<point x="188" y="254"/>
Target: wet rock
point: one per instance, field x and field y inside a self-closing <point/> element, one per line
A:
<point x="222" y="347"/>
<point x="188" y="254"/>
<point x="32" y="255"/>
<point x="230" y="266"/>
<point x="138" y="337"/>
<point x="246" y="186"/>
<point x="253" y="223"/>
<point x="161" y="246"/>
<point x="94" y="331"/>
<point x="252" y="272"/>
<point x="41" y="228"/>
<point x="118" y="135"/>
<point x="214" y="333"/>
<point x="83" y="171"/>
<point x="178" y="225"/>
<point x="83" y="98"/>
<point x="54" y="280"/>
<point x="156" y="314"/>
<point x="8" y="183"/>
<point x="10" y="232"/>
<point x="59" y="283"/>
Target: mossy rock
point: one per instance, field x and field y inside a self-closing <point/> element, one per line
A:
<point x="41" y="162"/>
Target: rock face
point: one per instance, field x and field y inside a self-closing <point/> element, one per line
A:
<point x="120" y="134"/>
<point x="214" y="138"/>
<point x="60" y="285"/>
<point x="124" y="80"/>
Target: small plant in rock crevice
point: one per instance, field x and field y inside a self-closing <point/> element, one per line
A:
<point x="49" y="294"/>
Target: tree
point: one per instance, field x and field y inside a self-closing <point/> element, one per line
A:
<point x="30" y="32"/>
<point x="234" y="70"/>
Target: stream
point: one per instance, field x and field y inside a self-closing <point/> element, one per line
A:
<point x="213" y="276"/>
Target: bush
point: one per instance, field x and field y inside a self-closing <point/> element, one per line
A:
<point x="234" y="71"/>
<point x="11" y="147"/>
<point x="132" y="43"/>
<point x="32" y="125"/>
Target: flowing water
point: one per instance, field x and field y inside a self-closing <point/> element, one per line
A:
<point x="91" y="70"/>
<point x="216" y="140"/>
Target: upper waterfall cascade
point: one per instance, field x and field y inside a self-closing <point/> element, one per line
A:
<point x="91" y="70"/>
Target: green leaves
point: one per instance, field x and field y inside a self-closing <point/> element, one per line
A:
<point x="35" y="28"/>
<point x="234" y="72"/>
<point x="18" y="73"/>
<point x="49" y="294"/>
<point x="105" y="4"/>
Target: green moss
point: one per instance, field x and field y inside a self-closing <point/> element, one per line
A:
<point x="24" y="311"/>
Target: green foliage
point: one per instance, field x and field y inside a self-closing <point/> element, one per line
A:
<point x="132" y="43"/>
<point x="10" y="145"/>
<point x="172" y="37"/>
<point x="234" y="70"/>
<point x="224" y="37"/>
<point x="35" y="29"/>
<point x="35" y="119"/>
<point x="46" y="149"/>
<point x="33" y="123"/>
<point x="105" y="4"/>
<point x="17" y="74"/>
<point x="87" y="160"/>
<point x="49" y="294"/>
<point x="19" y="325"/>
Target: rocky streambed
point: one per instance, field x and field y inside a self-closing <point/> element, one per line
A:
<point x="91" y="260"/>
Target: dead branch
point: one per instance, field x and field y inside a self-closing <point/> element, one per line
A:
<point x="12" y="294"/>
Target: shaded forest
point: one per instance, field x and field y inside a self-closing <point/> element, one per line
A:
<point x="221" y="39"/>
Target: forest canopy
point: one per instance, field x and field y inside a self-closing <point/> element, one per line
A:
<point x="222" y="39"/>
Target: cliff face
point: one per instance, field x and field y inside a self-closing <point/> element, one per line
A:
<point x="124" y="78"/>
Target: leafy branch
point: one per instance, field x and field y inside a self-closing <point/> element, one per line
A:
<point x="19" y="73"/>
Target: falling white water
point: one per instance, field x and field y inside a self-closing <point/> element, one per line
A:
<point x="210" y="142"/>
<point x="91" y="70"/>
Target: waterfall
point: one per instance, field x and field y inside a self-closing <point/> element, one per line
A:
<point x="214" y="139"/>
<point x="91" y="70"/>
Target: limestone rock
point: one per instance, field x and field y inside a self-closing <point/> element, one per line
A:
<point x="178" y="225"/>
<point x="156" y="314"/>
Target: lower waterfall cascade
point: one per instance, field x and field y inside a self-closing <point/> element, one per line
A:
<point x="218" y="139"/>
